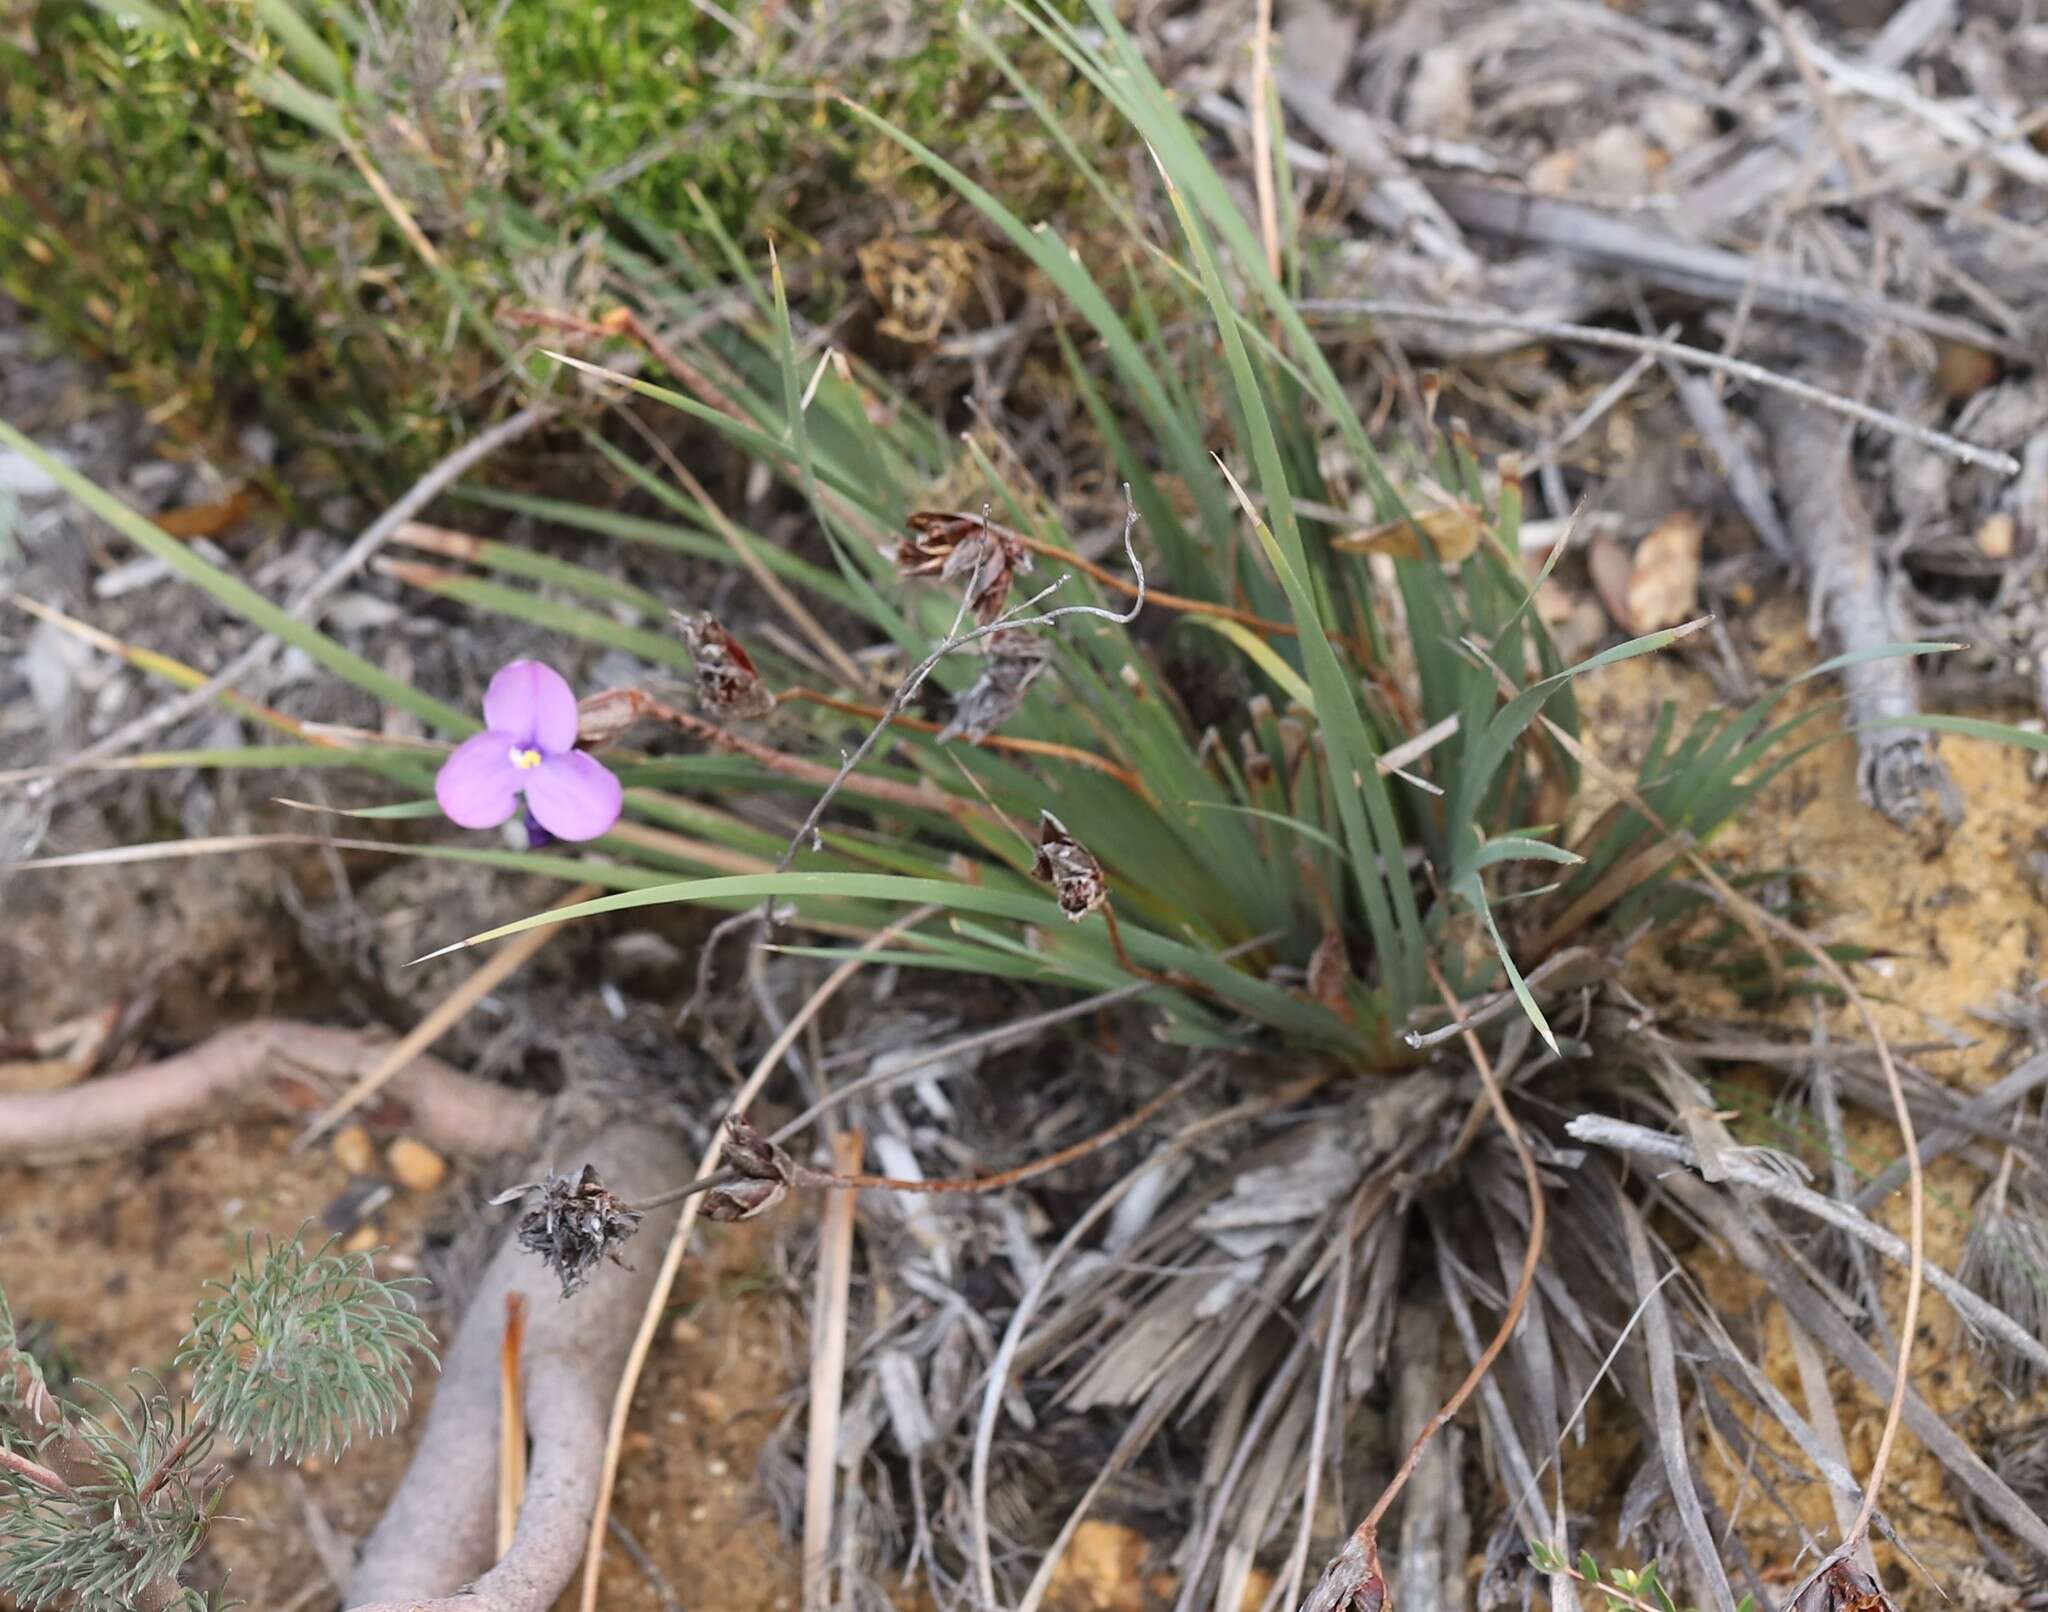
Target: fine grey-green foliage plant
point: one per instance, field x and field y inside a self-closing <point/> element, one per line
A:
<point x="293" y="1355"/>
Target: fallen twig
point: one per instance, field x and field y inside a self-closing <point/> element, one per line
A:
<point x="277" y="1061"/>
<point x="434" y="1549"/>
<point x="1603" y="1131"/>
<point x="1897" y="766"/>
<point x="1698" y="357"/>
<point x="828" y="1377"/>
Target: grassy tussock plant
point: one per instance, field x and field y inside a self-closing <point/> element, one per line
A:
<point x="294" y="1355"/>
<point x="1283" y="747"/>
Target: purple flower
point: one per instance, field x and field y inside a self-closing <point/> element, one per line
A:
<point x="528" y="747"/>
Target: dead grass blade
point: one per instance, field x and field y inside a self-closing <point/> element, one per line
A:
<point x="828" y="1374"/>
<point x="1672" y="1444"/>
<point x="511" y="1424"/>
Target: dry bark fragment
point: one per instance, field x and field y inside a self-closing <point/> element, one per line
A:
<point x="1897" y="769"/>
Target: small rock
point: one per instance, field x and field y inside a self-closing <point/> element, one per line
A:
<point x="685" y="1332"/>
<point x="417" y="1167"/>
<point x="1440" y="94"/>
<point x="1677" y="123"/>
<point x="259" y="443"/>
<point x="642" y="958"/>
<point x="364" y="1238"/>
<point x="155" y="479"/>
<point x="353" y="1150"/>
<point x="23" y="477"/>
<point x="1995" y="537"/>
<point x="1962" y="371"/>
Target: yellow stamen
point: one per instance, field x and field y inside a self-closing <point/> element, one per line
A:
<point x="525" y="760"/>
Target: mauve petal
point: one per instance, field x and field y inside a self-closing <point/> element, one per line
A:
<point x="477" y="786"/>
<point x="534" y="703"/>
<point x="573" y="796"/>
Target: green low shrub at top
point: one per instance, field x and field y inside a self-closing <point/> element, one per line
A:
<point x="207" y="194"/>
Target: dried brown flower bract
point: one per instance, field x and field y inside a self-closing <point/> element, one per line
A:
<point x="1070" y="868"/>
<point x="1354" y="1581"/>
<point x="574" y="1222"/>
<point x="603" y="719"/>
<point x="727" y="679"/>
<point x="1841" y="1586"/>
<point x="946" y="545"/>
<point x="765" y="1170"/>
<point x="1014" y="661"/>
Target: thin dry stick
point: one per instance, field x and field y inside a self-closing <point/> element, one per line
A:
<point x="511" y="1424"/>
<point x="34" y="1471"/>
<point x="999" y="1035"/>
<point x="990" y="741"/>
<point x="672" y="1259"/>
<point x="1013" y="620"/>
<point x="828" y="1375"/>
<point x="495" y="970"/>
<point x="303" y="608"/>
<point x="885" y="790"/>
<point x="1262" y="135"/>
<point x="1698" y="357"/>
<point x="1177" y="602"/>
<point x="976" y="1185"/>
<point x="1531" y="1257"/>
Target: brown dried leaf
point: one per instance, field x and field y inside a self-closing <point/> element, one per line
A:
<point x="766" y="1168"/>
<point x="947" y="545"/>
<point x="1014" y="660"/>
<point x="601" y="719"/>
<point x="1664" y="583"/>
<point x="1841" y="1586"/>
<point x="1329" y="974"/>
<point x="1453" y="529"/>
<point x="727" y="681"/>
<point x="1658" y="585"/>
<point x="1070" y="868"/>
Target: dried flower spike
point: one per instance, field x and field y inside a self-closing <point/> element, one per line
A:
<point x="1841" y="1586"/>
<point x="603" y="719"/>
<point x="1014" y="661"/>
<point x="947" y="545"/>
<point x="727" y="679"/>
<point x="575" y="1222"/>
<point x="528" y="749"/>
<point x="1354" y="1580"/>
<point x="1070" y="868"/>
<point x="766" y="1172"/>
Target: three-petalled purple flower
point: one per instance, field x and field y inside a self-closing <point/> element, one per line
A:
<point x="528" y="747"/>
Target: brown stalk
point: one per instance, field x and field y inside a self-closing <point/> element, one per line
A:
<point x="171" y="1457"/>
<point x="35" y="1472"/>
<point x="884" y="790"/>
<point x="511" y="1423"/>
<point x="993" y="741"/>
<point x="836" y="1181"/>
